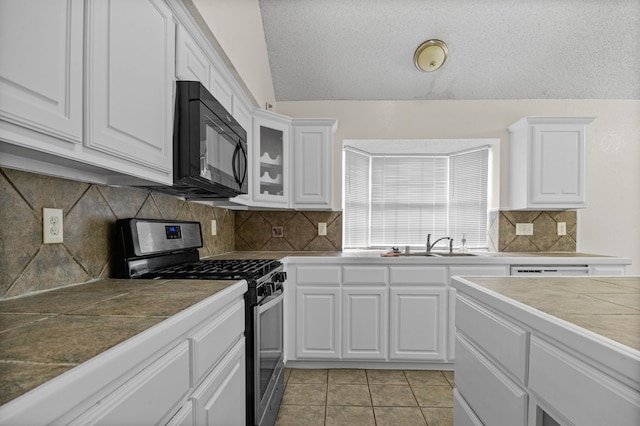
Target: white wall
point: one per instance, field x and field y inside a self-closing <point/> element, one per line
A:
<point x="237" y="26"/>
<point x="610" y="224"/>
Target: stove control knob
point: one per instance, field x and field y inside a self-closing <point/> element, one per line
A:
<point x="279" y="277"/>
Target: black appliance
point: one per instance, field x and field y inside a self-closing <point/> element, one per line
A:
<point x="209" y="147"/>
<point x="159" y="249"/>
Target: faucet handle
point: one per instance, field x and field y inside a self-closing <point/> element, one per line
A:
<point x="450" y="245"/>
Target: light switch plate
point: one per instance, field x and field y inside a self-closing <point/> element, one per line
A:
<point x="214" y="229"/>
<point x="562" y="228"/>
<point x="52" y="226"/>
<point x="322" y="228"/>
<point x="524" y="228"/>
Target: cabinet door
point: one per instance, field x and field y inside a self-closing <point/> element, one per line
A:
<point x="317" y="323"/>
<point x="271" y="161"/>
<point x="364" y="328"/>
<point x="191" y="62"/>
<point x="149" y="396"/>
<point x="130" y="82"/>
<point x="41" y="66"/>
<point x="558" y="159"/>
<point x="470" y="271"/>
<point x="418" y="323"/>
<point x="313" y="164"/>
<point x="221" y="398"/>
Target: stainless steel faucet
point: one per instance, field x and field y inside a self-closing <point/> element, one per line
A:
<point x="430" y="246"/>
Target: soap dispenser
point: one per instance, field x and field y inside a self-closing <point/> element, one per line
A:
<point x="463" y="246"/>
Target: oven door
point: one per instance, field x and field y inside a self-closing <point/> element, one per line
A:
<point x="268" y="356"/>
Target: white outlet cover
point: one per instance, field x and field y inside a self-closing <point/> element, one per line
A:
<point x="52" y="226"/>
<point x="524" y="228"/>
<point x="322" y="228"/>
<point x="562" y="228"/>
<point x="214" y="229"/>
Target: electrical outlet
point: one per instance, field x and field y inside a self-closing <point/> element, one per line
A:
<point x="562" y="228"/>
<point x="214" y="229"/>
<point x="524" y="228"/>
<point x="52" y="228"/>
<point x="322" y="228"/>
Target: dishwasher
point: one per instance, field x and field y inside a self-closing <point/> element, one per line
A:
<point x="550" y="270"/>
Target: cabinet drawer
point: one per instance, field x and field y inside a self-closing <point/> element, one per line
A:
<point x="355" y="275"/>
<point x="462" y="413"/>
<point x="555" y="375"/>
<point x="494" y="398"/>
<point x="418" y="275"/>
<point x="147" y="397"/>
<point x="314" y="275"/>
<point x="503" y="341"/>
<point x="211" y="342"/>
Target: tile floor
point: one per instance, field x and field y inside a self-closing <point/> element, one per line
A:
<point x="352" y="397"/>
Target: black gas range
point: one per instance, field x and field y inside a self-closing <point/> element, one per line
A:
<point x="161" y="249"/>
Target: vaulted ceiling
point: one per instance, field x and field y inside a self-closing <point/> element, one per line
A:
<point x="498" y="49"/>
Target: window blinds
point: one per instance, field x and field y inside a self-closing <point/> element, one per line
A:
<point x="398" y="200"/>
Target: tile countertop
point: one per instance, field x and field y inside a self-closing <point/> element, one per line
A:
<point x="607" y="306"/>
<point x="43" y="335"/>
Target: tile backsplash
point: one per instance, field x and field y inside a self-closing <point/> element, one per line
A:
<point x="89" y="215"/>
<point x="502" y="231"/>
<point x="288" y="230"/>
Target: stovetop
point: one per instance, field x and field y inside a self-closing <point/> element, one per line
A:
<point x="249" y="269"/>
<point x="157" y="249"/>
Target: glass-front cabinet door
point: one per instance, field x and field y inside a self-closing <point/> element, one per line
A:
<point x="271" y="177"/>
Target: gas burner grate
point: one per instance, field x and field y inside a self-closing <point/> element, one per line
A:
<point x="228" y="269"/>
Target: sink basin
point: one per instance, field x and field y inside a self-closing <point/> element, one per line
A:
<point x="418" y="254"/>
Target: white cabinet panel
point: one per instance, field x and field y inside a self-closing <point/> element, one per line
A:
<point x="318" y="322"/>
<point x="221" y="398"/>
<point x="41" y="67"/>
<point x="364" y="329"/>
<point x="365" y="275"/>
<point x="418" y="275"/>
<point x="495" y="399"/>
<point x="130" y="74"/>
<point x="313" y="163"/>
<point x="191" y="62"/>
<point x="319" y="274"/>
<point x="417" y="323"/>
<point x="555" y="376"/>
<point x="502" y="340"/>
<point x="147" y="397"/>
<point x="548" y="163"/>
<point x="462" y="413"/>
<point x="212" y="341"/>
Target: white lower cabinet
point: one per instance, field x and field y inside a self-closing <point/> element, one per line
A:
<point x="220" y="399"/>
<point x="188" y="369"/>
<point x="495" y="398"/>
<point x="364" y="327"/>
<point x="417" y="323"/>
<point x="318" y="323"/>
<point x="149" y="396"/>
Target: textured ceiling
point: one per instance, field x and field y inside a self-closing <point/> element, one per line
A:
<point x="498" y="49"/>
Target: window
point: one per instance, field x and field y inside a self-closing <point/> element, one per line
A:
<point x="397" y="199"/>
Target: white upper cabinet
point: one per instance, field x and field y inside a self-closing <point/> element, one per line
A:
<point x="130" y="81"/>
<point x="547" y="163"/>
<point x="193" y="64"/>
<point x="313" y="163"/>
<point x="271" y="149"/>
<point x="41" y="68"/>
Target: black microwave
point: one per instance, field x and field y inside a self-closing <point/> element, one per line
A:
<point x="209" y="146"/>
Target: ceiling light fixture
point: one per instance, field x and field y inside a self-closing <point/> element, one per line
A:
<point x="430" y="55"/>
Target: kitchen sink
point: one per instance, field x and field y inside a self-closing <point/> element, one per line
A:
<point x="454" y="254"/>
<point x="418" y="254"/>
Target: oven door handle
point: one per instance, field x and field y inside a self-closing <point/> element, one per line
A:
<point x="270" y="301"/>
